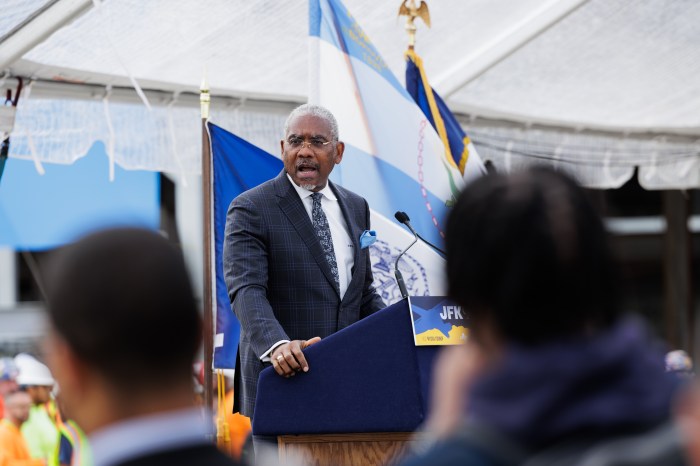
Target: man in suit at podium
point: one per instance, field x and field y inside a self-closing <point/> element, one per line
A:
<point x="125" y="330"/>
<point x="293" y="263"/>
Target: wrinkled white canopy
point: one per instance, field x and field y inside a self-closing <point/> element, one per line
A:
<point x="598" y="86"/>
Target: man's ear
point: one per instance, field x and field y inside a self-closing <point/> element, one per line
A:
<point x="67" y="368"/>
<point x="339" y="149"/>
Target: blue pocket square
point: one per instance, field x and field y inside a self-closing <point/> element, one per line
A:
<point x="367" y="238"/>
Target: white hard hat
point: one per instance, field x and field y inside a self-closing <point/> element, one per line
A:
<point x="32" y="372"/>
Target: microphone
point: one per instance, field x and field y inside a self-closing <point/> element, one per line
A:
<point x="397" y="272"/>
<point x="402" y="217"/>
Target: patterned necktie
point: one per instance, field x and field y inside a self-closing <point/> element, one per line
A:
<point x="323" y="231"/>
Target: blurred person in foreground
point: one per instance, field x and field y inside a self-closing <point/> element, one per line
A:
<point x="124" y="333"/>
<point x="554" y="373"/>
<point x="8" y="383"/>
<point x="41" y="431"/>
<point x="13" y="447"/>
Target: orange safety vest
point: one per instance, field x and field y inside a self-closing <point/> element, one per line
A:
<point x="13" y="447"/>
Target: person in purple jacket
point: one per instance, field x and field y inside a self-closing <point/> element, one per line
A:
<point x="554" y="372"/>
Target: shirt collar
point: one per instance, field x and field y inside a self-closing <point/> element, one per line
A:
<point x="304" y="193"/>
<point x="140" y="436"/>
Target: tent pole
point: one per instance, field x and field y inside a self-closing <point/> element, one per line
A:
<point x="51" y="17"/>
<point x="208" y="265"/>
<point x="678" y="286"/>
<point x="471" y="66"/>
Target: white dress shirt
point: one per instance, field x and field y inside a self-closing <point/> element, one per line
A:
<point x="342" y="241"/>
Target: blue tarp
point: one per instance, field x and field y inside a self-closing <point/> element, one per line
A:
<point x="45" y="211"/>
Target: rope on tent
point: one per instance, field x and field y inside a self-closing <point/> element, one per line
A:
<point x="99" y="8"/>
<point x="652" y="167"/>
<point x="612" y="180"/>
<point x="30" y="141"/>
<point x="557" y="157"/>
<point x="173" y="141"/>
<point x="110" y="127"/>
<point x="7" y="126"/>
<point x="15" y="101"/>
<point x="238" y="120"/>
<point x="508" y="154"/>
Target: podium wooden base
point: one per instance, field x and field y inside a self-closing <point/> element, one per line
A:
<point x="368" y="449"/>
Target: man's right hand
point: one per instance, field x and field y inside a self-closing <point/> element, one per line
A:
<point x="288" y="358"/>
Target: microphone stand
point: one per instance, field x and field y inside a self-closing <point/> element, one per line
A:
<point x="397" y="272"/>
<point x="403" y="218"/>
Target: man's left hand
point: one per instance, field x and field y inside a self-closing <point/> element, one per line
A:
<point x="288" y="358"/>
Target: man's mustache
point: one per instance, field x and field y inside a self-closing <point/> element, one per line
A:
<point x="306" y="164"/>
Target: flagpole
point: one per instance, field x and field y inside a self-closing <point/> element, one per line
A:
<point x="205" y="99"/>
<point x="411" y="12"/>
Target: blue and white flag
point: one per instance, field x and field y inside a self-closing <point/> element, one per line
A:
<point x="238" y="166"/>
<point x="393" y="155"/>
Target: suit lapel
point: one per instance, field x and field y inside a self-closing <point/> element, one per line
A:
<point x="351" y="222"/>
<point x="293" y="208"/>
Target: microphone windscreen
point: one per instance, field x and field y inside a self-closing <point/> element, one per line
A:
<point x="402" y="217"/>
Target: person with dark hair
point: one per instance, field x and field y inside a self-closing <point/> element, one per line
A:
<point x="125" y="330"/>
<point x="553" y="373"/>
<point x="294" y="265"/>
<point x="529" y="254"/>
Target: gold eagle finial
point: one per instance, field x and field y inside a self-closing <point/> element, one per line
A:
<point x="411" y="12"/>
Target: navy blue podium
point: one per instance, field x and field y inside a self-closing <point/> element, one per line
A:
<point x="366" y="379"/>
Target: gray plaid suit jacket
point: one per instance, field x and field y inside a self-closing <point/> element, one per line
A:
<point x="279" y="282"/>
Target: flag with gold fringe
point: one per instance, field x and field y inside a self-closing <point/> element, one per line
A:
<point x="458" y="146"/>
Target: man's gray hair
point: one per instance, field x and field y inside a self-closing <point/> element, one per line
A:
<point x="317" y="111"/>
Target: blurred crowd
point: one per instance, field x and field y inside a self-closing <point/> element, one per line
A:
<point x="35" y="429"/>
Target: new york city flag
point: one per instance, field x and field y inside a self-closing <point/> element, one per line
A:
<point x="393" y="157"/>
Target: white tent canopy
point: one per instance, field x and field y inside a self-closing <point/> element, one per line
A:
<point x="597" y="86"/>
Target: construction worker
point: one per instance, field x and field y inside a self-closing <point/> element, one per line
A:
<point x="13" y="447"/>
<point x="73" y="449"/>
<point x="239" y="426"/>
<point x="41" y="430"/>
<point x="8" y="373"/>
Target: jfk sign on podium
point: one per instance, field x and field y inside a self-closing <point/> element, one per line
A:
<point x="437" y="320"/>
